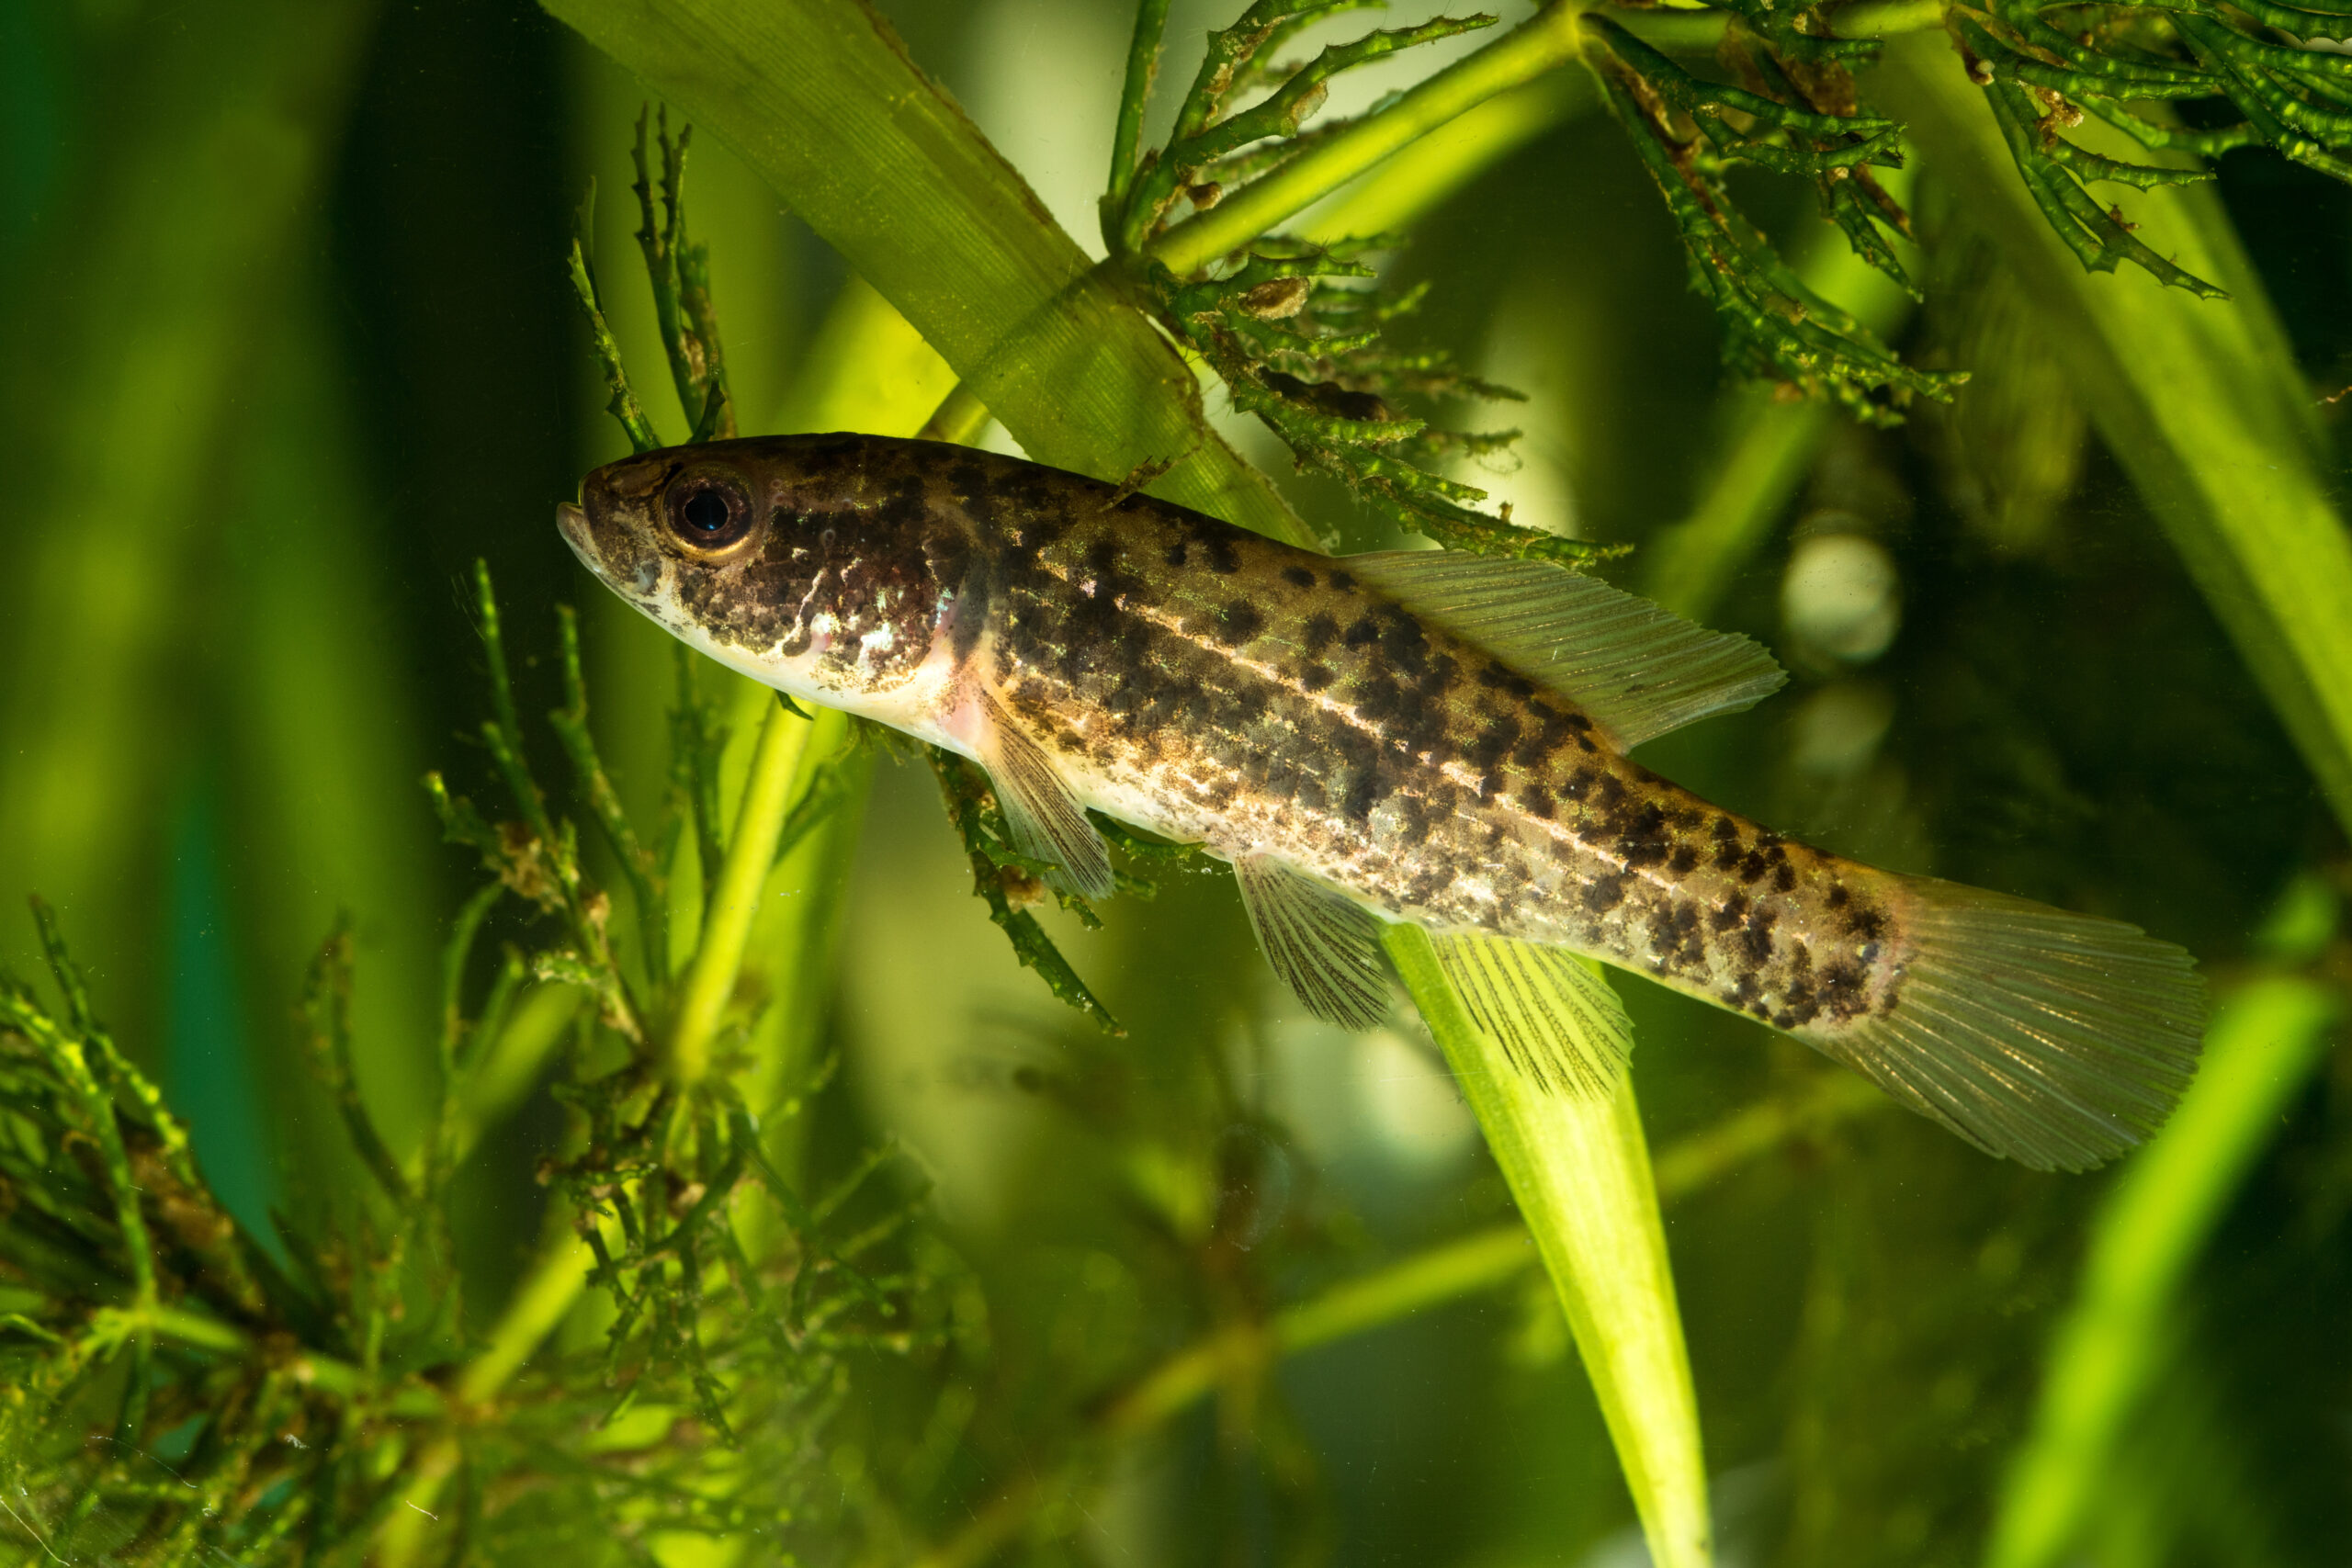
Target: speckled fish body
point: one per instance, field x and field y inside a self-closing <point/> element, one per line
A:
<point x="1281" y="707"/>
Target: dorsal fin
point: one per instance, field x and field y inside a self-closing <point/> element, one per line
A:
<point x="1636" y="670"/>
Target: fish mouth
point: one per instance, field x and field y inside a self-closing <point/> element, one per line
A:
<point x="573" y="523"/>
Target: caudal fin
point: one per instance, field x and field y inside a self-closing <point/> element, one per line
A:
<point x="2054" y="1039"/>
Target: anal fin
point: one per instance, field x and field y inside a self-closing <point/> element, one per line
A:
<point x="1556" y="1021"/>
<point x="1042" y="817"/>
<point x="1325" y="947"/>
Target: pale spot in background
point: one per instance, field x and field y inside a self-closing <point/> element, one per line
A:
<point x="1375" y="1097"/>
<point x="1840" y="727"/>
<point x="1046" y="77"/>
<point x="1408" y="1104"/>
<point x="1541" y="345"/>
<point x="1841" y="596"/>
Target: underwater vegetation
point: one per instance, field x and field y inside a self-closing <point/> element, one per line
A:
<point x="697" y="1128"/>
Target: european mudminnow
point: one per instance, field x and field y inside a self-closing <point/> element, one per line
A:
<point x="1422" y="736"/>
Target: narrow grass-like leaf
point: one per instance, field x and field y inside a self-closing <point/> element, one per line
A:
<point x="1579" y="1170"/>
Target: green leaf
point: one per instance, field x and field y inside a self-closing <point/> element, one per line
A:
<point x="2108" y="1352"/>
<point x="818" y="97"/>
<point x="1579" y="1169"/>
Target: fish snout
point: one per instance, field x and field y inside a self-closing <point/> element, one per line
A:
<point x="571" y="522"/>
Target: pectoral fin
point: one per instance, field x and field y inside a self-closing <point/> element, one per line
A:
<point x="1325" y="947"/>
<point x="1042" y="817"/>
<point x="1636" y="669"/>
<point x="1556" y="1021"/>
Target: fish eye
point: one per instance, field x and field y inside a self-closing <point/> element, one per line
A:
<point x="708" y="511"/>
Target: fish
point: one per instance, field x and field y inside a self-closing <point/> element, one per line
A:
<point x="1435" y="737"/>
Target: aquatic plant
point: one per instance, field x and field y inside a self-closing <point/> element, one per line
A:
<point x="745" y="1334"/>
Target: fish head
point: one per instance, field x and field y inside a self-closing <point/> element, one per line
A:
<point x="813" y="563"/>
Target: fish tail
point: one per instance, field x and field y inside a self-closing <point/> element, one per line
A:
<point x="2054" y="1039"/>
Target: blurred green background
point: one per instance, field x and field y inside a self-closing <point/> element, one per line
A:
<point x="288" y="344"/>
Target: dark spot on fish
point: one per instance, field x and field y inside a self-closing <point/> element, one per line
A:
<point x="1609" y="793"/>
<point x="1578" y="784"/>
<point x="1784" y="877"/>
<point x="1868" y="924"/>
<point x="1429" y="884"/>
<point x="1299" y="576"/>
<point x="1486" y="753"/>
<point x="1756" y="937"/>
<point x="1753" y="867"/>
<point x="1838" y="896"/>
<point x="1239" y="622"/>
<point x="1497" y="676"/>
<point x="1725" y="829"/>
<point x="1674" y="932"/>
<point x="905" y="506"/>
<point x="1177" y="554"/>
<point x="1733" y="910"/>
<point x="1342" y="580"/>
<point x="1552" y="732"/>
<point x="1683" y="860"/>
<point x="1314" y="677"/>
<point x="1842" y="991"/>
<point x="1364" y="634"/>
<point x="1319" y="632"/>
<point x="1645" y="844"/>
<point x="1536" y="802"/>
<point x="1603" y="894"/>
<point x="1224" y="559"/>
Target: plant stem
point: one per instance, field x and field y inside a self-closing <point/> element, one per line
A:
<point x="509" y="1064"/>
<point x="1579" y="1169"/>
<point x="960" y="418"/>
<point x="1411" y="182"/>
<point x="1884" y="18"/>
<point x="1543" y="43"/>
<point x="1485" y="1259"/>
<point x="2106" y="1355"/>
<point x="1460" y="1268"/>
<point x="532" y="1313"/>
<point x="1143" y="65"/>
<point x="735" y="893"/>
